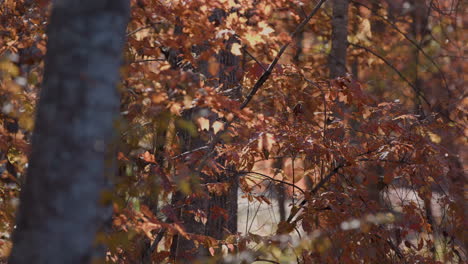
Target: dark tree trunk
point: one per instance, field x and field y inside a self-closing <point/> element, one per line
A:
<point x="184" y="250"/>
<point x="61" y="209"/>
<point x="418" y="26"/>
<point x="280" y="189"/>
<point x="299" y="47"/>
<point x="355" y="30"/>
<point x="229" y="78"/>
<point x="228" y="83"/>
<point x="339" y="39"/>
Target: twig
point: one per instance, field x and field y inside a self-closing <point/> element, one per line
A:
<point x="394" y="247"/>
<point x="137" y="30"/>
<point x="255" y="59"/>
<point x="273" y="179"/>
<point x="189" y="152"/>
<point x="293" y="178"/>
<point x="147" y="60"/>
<point x="315" y="189"/>
<point x="256" y="211"/>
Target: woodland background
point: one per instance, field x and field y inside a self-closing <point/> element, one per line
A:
<point x="233" y="131"/>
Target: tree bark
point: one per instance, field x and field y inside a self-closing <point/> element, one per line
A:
<point x="227" y="81"/>
<point x="229" y="78"/>
<point x="280" y="189"/>
<point x="337" y="59"/>
<point x="184" y="250"/>
<point x="61" y="209"/>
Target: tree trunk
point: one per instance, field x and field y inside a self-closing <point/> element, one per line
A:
<point x="216" y="225"/>
<point x="339" y="37"/>
<point x="61" y="209"/>
<point x="229" y="78"/>
<point x="280" y="189"/>
<point x="182" y="249"/>
<point x="299" y="47"/>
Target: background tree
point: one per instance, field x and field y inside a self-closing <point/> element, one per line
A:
<point x="61" y="206"/>
<point x="339" y="38"/>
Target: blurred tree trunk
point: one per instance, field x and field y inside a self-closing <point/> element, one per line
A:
<point x="419" y="14"/>
<point x="337" y="59"/>
<point x="299" y="47"/>
<point x="61" y="207"/>
<point x="418" y="30"/>
<point x="355" y="30"/>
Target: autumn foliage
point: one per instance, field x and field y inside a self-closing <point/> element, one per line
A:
<point x="364" y="168"/>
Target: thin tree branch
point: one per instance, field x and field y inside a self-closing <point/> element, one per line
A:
<point x="418" y="92"/>
<point x="444" y="80"/>
<point x="255" y="59"/>
<point x="138" y="30"/>
<point x="258" y="208"/>
<point x="273" y="179"/>
<point x="147" y="60"/>
<point x="267" y="74"/>
<point x="315" y="189"/>
<point x="189" y="152"/>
